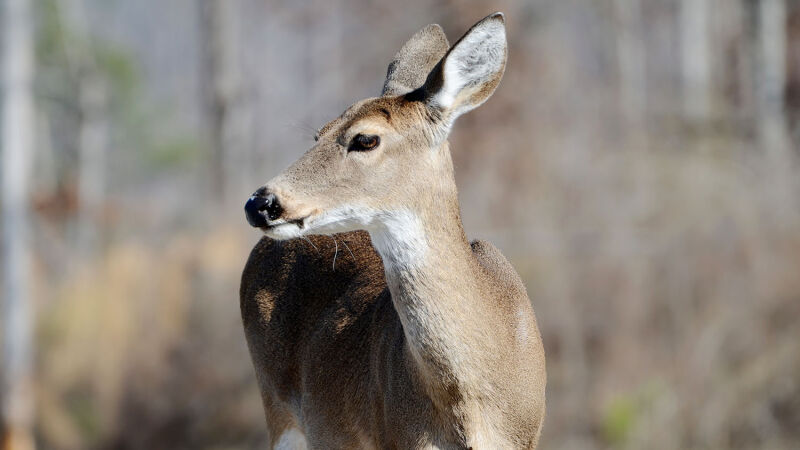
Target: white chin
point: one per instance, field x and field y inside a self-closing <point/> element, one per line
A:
<point x="283" y="231"/>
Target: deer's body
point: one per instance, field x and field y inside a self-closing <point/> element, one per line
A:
<point x="404" y="335"/>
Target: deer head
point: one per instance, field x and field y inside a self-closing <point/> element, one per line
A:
<point x="387" y="157"/>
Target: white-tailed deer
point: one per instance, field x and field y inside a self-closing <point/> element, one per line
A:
<point x="425" y="340"/>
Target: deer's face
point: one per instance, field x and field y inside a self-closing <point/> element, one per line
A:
<point x="384" y="156"/>
<point x="372" y="160"/>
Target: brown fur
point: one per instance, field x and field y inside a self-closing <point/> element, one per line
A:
<point x="429" y="342"/>
<point x="332" y="333"/>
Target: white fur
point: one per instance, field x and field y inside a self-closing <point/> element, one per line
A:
<point x="399" y="239"/>
<point x="284" y="231"/>
<point x="398" y="236"/>
<point x="341" y="219"/>
<point x="472" y="62"/>
<point x="291" y="439"/>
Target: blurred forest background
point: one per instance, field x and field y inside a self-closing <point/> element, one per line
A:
<point x="638" y="166"/>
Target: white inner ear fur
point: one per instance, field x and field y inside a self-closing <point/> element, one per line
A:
<point x="475" y="60"/>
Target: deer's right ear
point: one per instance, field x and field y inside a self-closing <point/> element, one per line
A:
<point x="471" y="70"/>
<point x="415" y="60"/>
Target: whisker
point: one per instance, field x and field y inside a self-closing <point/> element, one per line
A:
<point x="309" y="241"/>
<point x="348" y="249"/>
<point x="335" y="252"/>
<point x="304" y="128"/>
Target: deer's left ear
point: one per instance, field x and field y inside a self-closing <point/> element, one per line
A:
<point x="469" y="73"/>
<point x="415" y="60"/>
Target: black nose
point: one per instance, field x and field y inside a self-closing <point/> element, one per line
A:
<point x="261" y="206"/>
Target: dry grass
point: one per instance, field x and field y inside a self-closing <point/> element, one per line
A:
<point x="143" y="348"/>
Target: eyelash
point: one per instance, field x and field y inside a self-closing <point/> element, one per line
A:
<point x="363" y="142"/>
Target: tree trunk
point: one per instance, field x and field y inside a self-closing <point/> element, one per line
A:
<point x="221" y="88"/>
<point x="631" y="64"/>
<point x="17" y="144"/>
<point x="93" y="141"/>
<point x="695" y="58"/>
<point x="93" y="133"/>
<point x="771" y="77"/>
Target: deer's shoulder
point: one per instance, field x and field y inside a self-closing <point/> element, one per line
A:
<point x="498" y="270"/>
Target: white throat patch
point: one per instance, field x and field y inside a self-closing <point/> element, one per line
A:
<point x="400" y="239"/>
<point x="398" y="236"/>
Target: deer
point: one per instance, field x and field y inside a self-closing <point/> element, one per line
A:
<point x="371" y="320"/>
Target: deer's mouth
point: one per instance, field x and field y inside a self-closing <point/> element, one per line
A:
<point x="327" y="222"/>
<point x="285" y="228"/>
<point x="299" y="223"/>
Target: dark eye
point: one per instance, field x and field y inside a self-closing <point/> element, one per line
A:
<point x="363" y="142"/>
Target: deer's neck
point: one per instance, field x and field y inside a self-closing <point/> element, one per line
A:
<point x="431" y="273"/>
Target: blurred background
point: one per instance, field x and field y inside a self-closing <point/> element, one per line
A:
<point x="637" y="165"/>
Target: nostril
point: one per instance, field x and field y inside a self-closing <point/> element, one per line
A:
<point x="272" y="207"/>
<point x="262" y="206"/>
